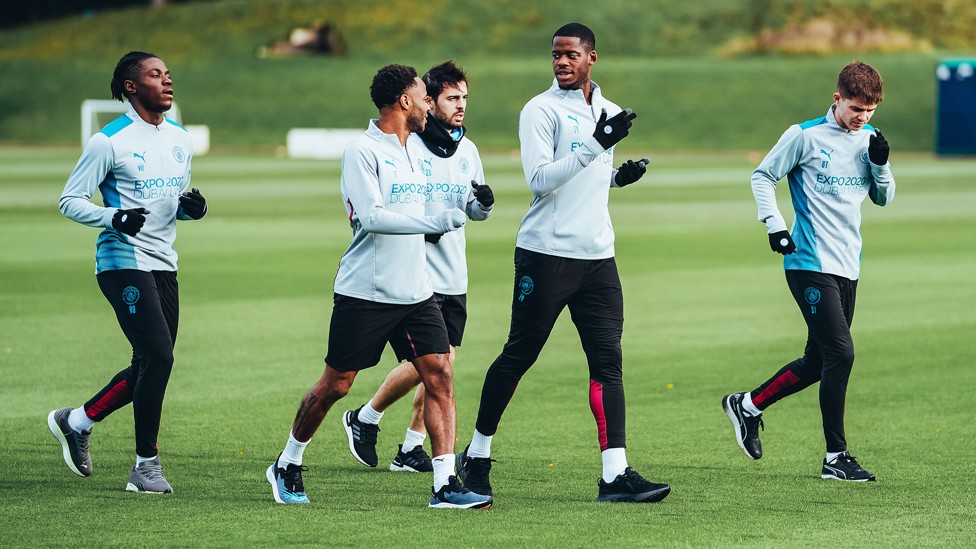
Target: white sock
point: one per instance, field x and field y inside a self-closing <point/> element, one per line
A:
<point x="443" y="469"/>
<point x="748" y="406"/>
<point x="140" y="460"/>
<point x="831" y="456"/>
<point x="79" y="420"/>
<point x="412" y="440"/>
<point x="292" y="454"/>
<point x="614" y="463"/>
<point x="480" y="445"/>
<point x="369" y="415"/>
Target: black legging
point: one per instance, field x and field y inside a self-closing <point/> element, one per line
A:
<point x="544" y="285"/>
<point x="827" y="302"/>
<point x="147" y="306"/>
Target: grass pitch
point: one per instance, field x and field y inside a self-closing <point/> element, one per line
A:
<point x="707" y="310"/>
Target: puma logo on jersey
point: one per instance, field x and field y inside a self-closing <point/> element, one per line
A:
<point x="140" y="156"/>
<point x="573" y="118"/>
<point x="827" y="154"/>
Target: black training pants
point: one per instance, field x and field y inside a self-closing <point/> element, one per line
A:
<point x="544" y="285"/>
<point x="147" y="306"/>
<point x="827" y="304"/>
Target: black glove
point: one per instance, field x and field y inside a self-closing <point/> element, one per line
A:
<point x="483" y="194"/>
<point x="782" y="243"/>
<point x="433" y="238"/>
<point x="193" y="204"/>
<point x="610" y="132"/>
<point x="878" y="149"/>
<point x="131" y="221"/>
<point x="631" y="171"/>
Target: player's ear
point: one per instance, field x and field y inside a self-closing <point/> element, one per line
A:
<point x="404" y="101"/>
<point x="129" y="86"/>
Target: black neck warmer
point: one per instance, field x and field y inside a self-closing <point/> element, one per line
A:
<point x="437" y="137"/>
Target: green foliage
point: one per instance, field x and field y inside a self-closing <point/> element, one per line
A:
<point x="654" y="57"/>
<point x="708" y="313"/>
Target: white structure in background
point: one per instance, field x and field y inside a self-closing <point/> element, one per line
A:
<point x="319" y="142"/>
<point x="96" y="113"/>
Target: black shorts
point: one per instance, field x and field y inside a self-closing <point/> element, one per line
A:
<point x="454" y="309"/>
<point x="360" y="329"/>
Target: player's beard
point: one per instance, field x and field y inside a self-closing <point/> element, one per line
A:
<point x="416" y="122"/>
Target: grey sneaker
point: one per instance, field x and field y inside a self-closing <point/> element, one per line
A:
<point x="147" y="477"/>
<point x="74" y="445"/>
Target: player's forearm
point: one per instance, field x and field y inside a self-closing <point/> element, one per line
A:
<point x="764" y="191"/>
<point x="383" y="221"/>
<point x="545" y="175"/>
<point x="882" y="190"/>
<point x="81" y="210"/>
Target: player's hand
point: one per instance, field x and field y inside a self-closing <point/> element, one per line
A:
<point x="878" y="149"/>
<point x="433" y="238"/>
<point x="129" y="222"/>
<point x="630" y="171"/>
<point x="451" y="219"/>
<point x="610" y="132"/>
<point x="193" y="203"/>
<point x="483" y="194"/>
<point x="782" y="243"/>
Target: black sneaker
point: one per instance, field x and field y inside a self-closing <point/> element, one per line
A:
<point x="455" y="496"/>
<point x="746" y="425"/>
<point x="414" y="461"/>
<point x="362" y="437"/>
<point x="630" y="486"/>
<point x="845" y="467"/>
<point x="473" y="472"/>
<point x="74" y="445"/>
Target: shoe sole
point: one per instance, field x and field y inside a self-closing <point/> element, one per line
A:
<point x="129" y="487"/>
<point x="403" y="468"/>
<point x="735" y="425"/>
<point x="352" y="446"/>
<point x="446" y="505"/>
<point x="832" y="477"/>
<point x="65" y="451"/>
<point x="653" y="496"/>
<point x="274" y="487"/>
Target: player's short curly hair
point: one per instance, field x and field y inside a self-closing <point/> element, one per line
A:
<point x="440" y="76"/>
<point x="127" y="69"/>
<point x="390" y="83"/>
<point x="578" y="30"/>
<point x="860" y="81"/>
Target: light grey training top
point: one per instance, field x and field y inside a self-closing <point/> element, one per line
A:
<point x="829" y="174"/>
<point x="449" y="187"/>
<point x="385" y="193"/>
<point x="133" y="164"/>
<point x="569" y="174"/>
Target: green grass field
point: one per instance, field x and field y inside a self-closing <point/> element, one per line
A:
<point x="708" y="312"/>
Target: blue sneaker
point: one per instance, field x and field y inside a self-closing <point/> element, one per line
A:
<point x="286" y="483"/>
<point x="455" y="496"/>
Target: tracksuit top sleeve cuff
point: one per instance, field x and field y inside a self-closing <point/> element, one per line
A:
<point x="775" y="224"/>
<point x="589" y="151"/>
<point x="107" y="215"/>
<point x="881" y="171"/>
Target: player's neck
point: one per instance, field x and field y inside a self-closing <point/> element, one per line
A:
<point x="394" y="125"/>
<point x="151" y="117"/>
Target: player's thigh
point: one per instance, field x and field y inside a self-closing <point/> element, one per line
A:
<point x="544" y="285"/>
<point x="454" y="310"/>
<point x="820" y="300"/>
<point x="359" y="330"/>
<point x="598" y="307"/>
<point x="421" y="332"/>
<point x="135" y="299"/>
